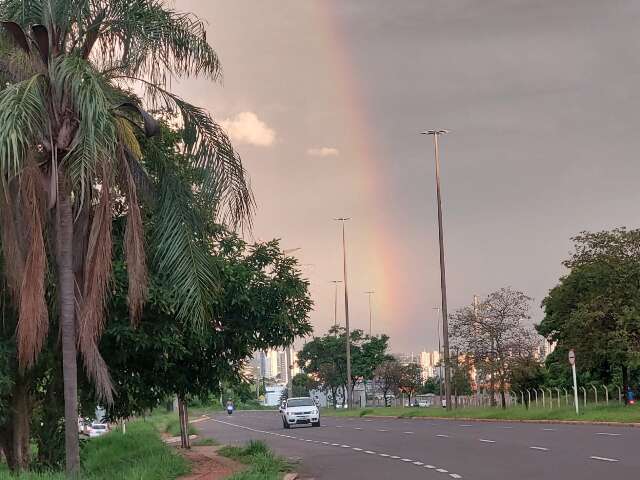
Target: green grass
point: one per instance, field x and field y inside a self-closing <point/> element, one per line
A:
<point x="262" y="463"/>
<point x="204" y="442"/>
<point x="168" y="422"/>
<point x="600" y="413"/>
<point x="138" y="455"/>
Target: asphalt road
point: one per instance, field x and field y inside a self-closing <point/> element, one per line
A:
<point x="391" y="448"/>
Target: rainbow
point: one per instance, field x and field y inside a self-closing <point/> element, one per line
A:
<point x="384" y="249"/>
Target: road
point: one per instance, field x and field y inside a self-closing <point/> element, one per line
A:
<point x="392" y="448"/>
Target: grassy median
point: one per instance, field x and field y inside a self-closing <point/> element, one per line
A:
<point x="600" y="413"/>
<point x="138" y="455"/>
<point x="261" y="462"/>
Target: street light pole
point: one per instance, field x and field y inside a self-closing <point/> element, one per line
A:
<point x="443" y="283"/>
<point x="346" y="310"/>
<point x="369" y="293"/>
<point x="335" y="302"/>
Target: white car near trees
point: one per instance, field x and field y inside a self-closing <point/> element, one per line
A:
<point x="300" y="411"/>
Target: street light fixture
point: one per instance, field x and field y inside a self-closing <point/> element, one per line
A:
<point x="443" y="284"/>
<point x="369" y="293"/>
<point x="335" y="302"/>
<point x="343" y="220"/>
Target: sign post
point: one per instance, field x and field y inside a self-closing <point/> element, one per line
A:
<point x="572" y="361"/>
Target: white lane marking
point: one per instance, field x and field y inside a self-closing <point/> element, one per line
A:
<point x="357" y="428"/>
<point x="609" y="434"/>
<point x="544" y="449"/>
<point x="395" y="457"/>
<point x="466" y="425"/>
<point x="339" y="426"/>
<point x="382" y="430"/>
<point x="549" y="429"/>
<point x="603" y="459"/>
<point x="408" y="433"/>
<point x="442" y="435"/>
<point x="506" y="427"/>
<point x="368" y="420"/>
<point x="486" y="441"/>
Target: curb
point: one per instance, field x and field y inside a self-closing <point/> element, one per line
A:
<point x="495" y="420"/>
<point x="290" y="476"/>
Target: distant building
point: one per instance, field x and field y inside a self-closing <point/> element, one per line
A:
<point x="406" y="358"/>
<point x="429" y="363"/>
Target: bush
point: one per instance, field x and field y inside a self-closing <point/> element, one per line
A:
<point x="263" y="464"/>
<point x="366" y="411"/>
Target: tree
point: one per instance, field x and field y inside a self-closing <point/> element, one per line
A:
<point x="68" y="152"/>
<point x="303" y="384"/>
<point x="410" y="379"/>
<point x="431" y="385"/>
<point x="388" y="376"/>
<point x="595" y="309"/>
<point x="492" y="335"/>
<point x="526" y="374"/>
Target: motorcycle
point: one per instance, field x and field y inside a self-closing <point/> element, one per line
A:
<point x="229" y="409"/>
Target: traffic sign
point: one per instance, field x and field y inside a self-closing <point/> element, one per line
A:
<point x="572" y="357"/>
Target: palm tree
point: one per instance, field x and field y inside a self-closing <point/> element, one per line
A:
<point x="70" y="126"/>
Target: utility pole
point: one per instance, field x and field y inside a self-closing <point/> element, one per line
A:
<point x="443" y="283"/>
<point x="335" y="302"/>
<point x="369" y="293"/>
<point x="439" y="352"/>
<point x="343" y="220"/>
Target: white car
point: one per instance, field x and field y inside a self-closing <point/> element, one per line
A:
<point x="300" y="411"/>
<point x="98" y="429"/>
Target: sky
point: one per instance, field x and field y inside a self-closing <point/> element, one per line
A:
<point x="325" y="101"/>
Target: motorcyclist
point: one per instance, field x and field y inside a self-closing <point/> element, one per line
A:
<point x="229" y="407"/>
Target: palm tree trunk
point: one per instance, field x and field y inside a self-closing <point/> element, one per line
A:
<point x="64" y="232"/>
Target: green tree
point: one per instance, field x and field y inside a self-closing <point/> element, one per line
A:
<point x="431" y="385"/>
<point x="303" y="384"/>
<point x="388" y="377"/>
<point x="595" y="309"/>
<point x="526" y="374"/>
<point x="410" y="379"/>
<point x="68" y="152"/>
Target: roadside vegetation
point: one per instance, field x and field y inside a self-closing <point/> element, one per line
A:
<point x="262" y="463"/>
<point x="139" y="454"/>
<point x="593" y="413"/>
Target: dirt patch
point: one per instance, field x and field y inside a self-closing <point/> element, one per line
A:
<point x="206" y="464"/>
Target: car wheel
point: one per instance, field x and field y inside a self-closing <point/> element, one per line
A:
<point x="316" y="424"/>
<point x="285" y="424"/>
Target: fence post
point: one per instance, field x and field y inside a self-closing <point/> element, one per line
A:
<point x="606" y="394"/>
<point x="543" y="401"/>
<point x="522" y="396"/>
<point x="529" y="395"/>
<point x="595" y="391"/>
<point x="584" y="395"/>
<point x="550" y="398"/>
<point x="566" y="396"/>
<point x="536" y="392"/>
<point x="619" y="395"/>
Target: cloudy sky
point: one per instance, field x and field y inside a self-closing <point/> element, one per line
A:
<point x="325" y="100"/>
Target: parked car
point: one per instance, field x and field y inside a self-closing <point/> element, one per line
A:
<point x="300" y="411"/>
<point x="98" y="429"/>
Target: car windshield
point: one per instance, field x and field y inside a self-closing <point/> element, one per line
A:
<point x="300" y="402"/>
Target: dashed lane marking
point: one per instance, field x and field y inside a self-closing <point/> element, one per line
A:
<point x="382" y="430"/>
<point x="356" y="449"/>
<point x="408" y="433"/>
<point x="603" y="459"/>
<point x="609" y="434"/>
<point x="442" y="435"/>
<point x="544" y="449"/>
<point x="357" y="428"/>
<point x="486" y="441"/>
<point x="466" y="425"/>
<point x="549" y="429"/>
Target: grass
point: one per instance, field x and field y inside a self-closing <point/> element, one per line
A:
<point x="204" y="442"/>
<point x="262" y="463"/>
<point x="168" y="422"/>
<point x="592" y="413"/>
<point x="138" y="455"/>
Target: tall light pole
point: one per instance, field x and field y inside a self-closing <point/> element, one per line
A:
<point x="343" y="220"/>
<point x="439" y="351"/>
<point x="369" y="293"/>
<point x="287" y="350"/>
<point x="443" y="283"/>
<point x="335" y="301"/>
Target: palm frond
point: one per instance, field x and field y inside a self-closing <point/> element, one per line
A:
<point x="11" y="244"/>
<point x="22" y="123"/>
<point x="33" y="322"/>
<point x="182" y="253"/>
